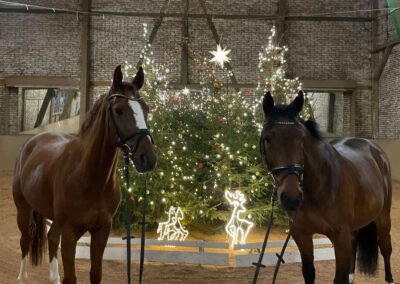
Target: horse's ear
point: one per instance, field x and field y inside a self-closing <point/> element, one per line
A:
<point x="117" y="80"/>
<point x="297" y="104"/>
<point x="139" y="78"/>
<point x="268" y="103"/>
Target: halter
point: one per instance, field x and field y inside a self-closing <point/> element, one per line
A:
<point x="121" y="138"/>
<point x="292" y="169"/>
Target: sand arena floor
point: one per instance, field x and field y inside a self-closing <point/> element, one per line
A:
<point x="115" y="271"/>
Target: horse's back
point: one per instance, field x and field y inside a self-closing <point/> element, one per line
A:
<point x="360" y="151"/>
<point x="367" y="171"/>
<point x="34" y="166"/>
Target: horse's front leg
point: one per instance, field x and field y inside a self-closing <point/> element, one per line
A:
<point x="69" y="238"/>
<point x="305" y="244"/>
<point x="97" y="245"/>
<point x="342" y="242"/>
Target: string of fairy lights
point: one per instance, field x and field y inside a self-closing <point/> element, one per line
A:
<point x="54" y="9"/>
<point x="206" y="139"/>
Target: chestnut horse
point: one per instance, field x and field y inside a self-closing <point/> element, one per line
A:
<point x="71" y="180"/>
<point x="340" y="189"/>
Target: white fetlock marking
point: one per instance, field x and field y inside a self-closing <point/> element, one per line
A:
<point x="389" y="283"/>
<point x="351" y="278"/>
<point x="54" y="275"/>
<point x="23" y="275"/>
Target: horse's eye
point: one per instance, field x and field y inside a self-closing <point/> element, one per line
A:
<point x="266" y="140"/>
<point x="118" y="111"/>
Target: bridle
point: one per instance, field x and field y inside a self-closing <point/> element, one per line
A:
<point x="285" y="170"/>
<point x="121" y="138"/>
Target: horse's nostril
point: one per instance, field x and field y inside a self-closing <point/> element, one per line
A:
<point x="290" y="204"/>
<point x="284" y="198"/>
<point x="143" y="159"/>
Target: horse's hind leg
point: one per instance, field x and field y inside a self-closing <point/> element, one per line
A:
<point x="24" y="220"/>
<point x="383" y="225"/>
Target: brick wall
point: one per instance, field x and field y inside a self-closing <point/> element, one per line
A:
<point x="389" y="97"/>
<point x="389" y="83"/>
<point x="47" y="44"/>
<point x="35" y="45"/>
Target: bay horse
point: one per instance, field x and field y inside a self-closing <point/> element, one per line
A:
<point x="340" y="189"/>
<point x="71" y="179"/>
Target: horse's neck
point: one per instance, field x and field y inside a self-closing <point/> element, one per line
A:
<point x="321" y="171"/>
<point x="99" y="154"/>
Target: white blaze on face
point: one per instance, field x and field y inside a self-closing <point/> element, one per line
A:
<point x="139" y="115"/>
<point x="54" y="276"/>
<point x="23" y="275"/>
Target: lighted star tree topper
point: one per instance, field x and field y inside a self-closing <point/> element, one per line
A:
<point x="238" y="227"/>
<point x="172" y="229"/>
<point x="220" y="56"/>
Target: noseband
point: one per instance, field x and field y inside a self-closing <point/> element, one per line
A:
<point x="285" y="170"/>
<point x="121" y="138"/>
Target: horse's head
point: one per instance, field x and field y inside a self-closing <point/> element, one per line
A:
<point x="127" y="117"/>
<point x="281" y="147"/>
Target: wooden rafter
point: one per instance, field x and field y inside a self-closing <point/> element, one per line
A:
<point x="157" y="25"/>
<point x="218" y="41"/>
<point x="281" y="21"/>
<point x="84" y="76"/>
<point x="185" y="43"/>
<point x="43" y="109"/>
<point x="193" y="15"/>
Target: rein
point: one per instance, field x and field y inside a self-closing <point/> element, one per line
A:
<point x="129" y="222"/>
<point x="127" y="154"/>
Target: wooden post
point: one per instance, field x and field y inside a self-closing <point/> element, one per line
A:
<point x="67" y="108"/>
<point x="84" y="76"/>
<point x="45" y="104"/>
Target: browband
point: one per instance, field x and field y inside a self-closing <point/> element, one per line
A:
<point x="125" y="97"/>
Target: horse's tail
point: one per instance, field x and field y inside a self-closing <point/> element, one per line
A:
<point x="38" y="242"/>
<point x="367" y="249"/>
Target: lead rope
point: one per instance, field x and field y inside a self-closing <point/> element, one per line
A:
<point x="128" y="218"/>
<point x="280" y="255"/>
<point x="259" y="264"/>
<point x="143" y="223"/>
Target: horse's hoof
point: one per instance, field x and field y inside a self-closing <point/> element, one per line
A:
<point x="55" y="281"/>
<point x="351" y="278"/>
<point x="22" y="279"/>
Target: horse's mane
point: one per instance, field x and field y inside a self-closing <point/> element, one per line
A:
<point x="91" y="115"/>
<point x="286" y="113"/>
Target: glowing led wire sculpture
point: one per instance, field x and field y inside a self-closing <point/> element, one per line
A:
<point x="172" y="229"/>
<point x="237" y="227"/>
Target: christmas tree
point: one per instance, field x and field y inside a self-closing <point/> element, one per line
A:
<point x="207" y="140"/>
<point x="272" y="69"/>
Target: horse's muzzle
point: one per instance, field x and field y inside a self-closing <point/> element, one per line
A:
<point x="290" y="193"/>
<point x="291" y="204"/>
<point x="145" y="161"/>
